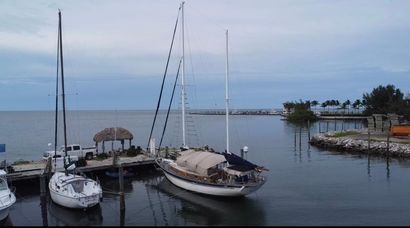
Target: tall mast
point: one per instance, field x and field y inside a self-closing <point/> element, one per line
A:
<point x="227" y="95"/>
<point x="62" y="86"/>
<point x="183" y="79"/>
<point x="56" y="113"/>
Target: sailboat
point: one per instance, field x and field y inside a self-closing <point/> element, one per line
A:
<point x="68" y="189"/>
<point x="209" y="172"/>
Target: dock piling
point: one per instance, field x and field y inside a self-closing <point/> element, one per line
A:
<point x="121" y="182"/>
<point x="300" y="138"/>
<point x="320" y="131"/>
<point x="122" y="198"/>
<point x="43" y="198"/>
<point x="368" y="141"/>
<point x="295" y="139"/>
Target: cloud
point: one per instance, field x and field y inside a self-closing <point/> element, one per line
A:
<point x="274" y="45"/>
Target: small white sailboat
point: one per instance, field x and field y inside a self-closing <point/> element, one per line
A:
<point x="7" y="197"/>
<point x="208" y="172"/>
<point x="67" y="189"/>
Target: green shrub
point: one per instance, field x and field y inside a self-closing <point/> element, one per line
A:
<point x="344" y="133"/>
<point x="101" y="156"/>
<point x="21" y="162"/>
<point x="132" y="152"/>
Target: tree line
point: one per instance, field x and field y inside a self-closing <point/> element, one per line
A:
<point x="382" y="100"/>
<point x="357" y="104"/>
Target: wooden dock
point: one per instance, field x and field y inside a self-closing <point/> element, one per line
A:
<point x="35" y="169"/>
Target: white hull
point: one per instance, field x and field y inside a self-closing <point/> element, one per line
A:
<point x="4" y="210"/>
<point x="72" y="202"/>
<point x="61" y="191"/>
<point x="7" y="198"/>
<point x="209" y="189"/>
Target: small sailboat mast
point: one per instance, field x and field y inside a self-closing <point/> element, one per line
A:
<point x="227" y="95"/>
<point x="56" y="112"/>
<point x="62" y="87"/>
<point x="183" y="79"/>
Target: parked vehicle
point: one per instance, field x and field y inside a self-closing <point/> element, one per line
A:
<point x="73" y="150"/>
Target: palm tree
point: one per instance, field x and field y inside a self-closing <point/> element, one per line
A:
<point x="343" y="106"/>
<point x="314" y="103"/>
<point x="356" y="104"/>
<point x="323" y="105"/>
<point x="347" y="102"/>
<point x="332" y="103"/>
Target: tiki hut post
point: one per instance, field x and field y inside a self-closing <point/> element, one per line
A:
<point x="96" y="147"/>
<point x="130" y="143"/>
<point x="122" y="145"/>
<point x="103" y="146"/>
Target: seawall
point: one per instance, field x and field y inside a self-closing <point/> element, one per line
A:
<point x="359" y="143"/>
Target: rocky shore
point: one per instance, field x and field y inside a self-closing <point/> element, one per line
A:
<point x="357" y="142"/>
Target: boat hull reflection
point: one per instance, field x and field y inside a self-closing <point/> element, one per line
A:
<point x="62" y="216"/>
<point x="213" y="210"/>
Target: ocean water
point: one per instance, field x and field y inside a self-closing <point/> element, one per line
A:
<point x="306" y="185"/>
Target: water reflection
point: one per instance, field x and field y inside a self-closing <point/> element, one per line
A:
<point x="61" y="216"/>
<point x="205" y="210"/>
<point x="388" y="168"/>
<point x="113" y="185"/>
<point x="6" y="222"/>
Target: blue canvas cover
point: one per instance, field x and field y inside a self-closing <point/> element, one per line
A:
<point x="234" y="159"/>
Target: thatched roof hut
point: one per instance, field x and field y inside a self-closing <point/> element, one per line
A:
<point x="113" y="134"/>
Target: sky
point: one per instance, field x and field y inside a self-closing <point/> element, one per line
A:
<point x="115" y="52"/>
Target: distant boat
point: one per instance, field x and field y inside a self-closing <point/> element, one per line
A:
<point x="67" y="189"/>
<point x="208" y="172"/>
<point x="7" y="197"/>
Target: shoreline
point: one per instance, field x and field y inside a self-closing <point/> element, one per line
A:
<point x="359" y="143"/>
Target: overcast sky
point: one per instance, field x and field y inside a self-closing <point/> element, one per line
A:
<point x="115" y="51"/>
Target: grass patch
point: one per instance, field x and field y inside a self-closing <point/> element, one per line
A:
<point x="20" y="162"/>
<point x="344" y="133"/>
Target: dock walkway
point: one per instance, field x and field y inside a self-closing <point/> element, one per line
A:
<point x="35" y="169"/>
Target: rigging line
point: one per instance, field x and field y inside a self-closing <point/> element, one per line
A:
<point x="163" y="79"/>
<point x="170" y="103"/>
<point x="56" y="114"/>
<point x="190" y="58"/>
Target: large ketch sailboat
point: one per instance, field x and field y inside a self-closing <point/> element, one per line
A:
<point x="209" y="172"/>
<point x="67" y="189"/>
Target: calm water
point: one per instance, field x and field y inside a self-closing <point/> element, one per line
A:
<point x="306" y="186"/>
